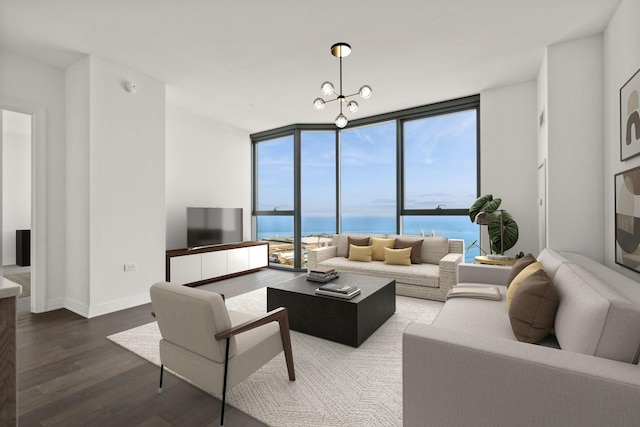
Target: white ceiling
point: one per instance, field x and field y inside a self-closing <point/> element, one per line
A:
<point x="258" y="64"/>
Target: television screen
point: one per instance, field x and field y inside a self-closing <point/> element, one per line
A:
<point x="213" y="226"/>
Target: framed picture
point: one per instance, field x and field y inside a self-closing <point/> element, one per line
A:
<point x="627" y="205"/>
<point x="630" y="118"/>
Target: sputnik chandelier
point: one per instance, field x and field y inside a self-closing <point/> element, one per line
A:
<point x="340" y="50"/>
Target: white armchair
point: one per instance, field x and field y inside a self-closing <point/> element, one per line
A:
<point x="211" y="346"/>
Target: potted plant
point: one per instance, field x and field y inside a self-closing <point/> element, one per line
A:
<point x="502" y="228"/>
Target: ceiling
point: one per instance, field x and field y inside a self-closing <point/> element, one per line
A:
<point x="258" y="64"/>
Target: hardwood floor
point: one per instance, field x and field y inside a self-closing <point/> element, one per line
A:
<point x="69" y="374"/>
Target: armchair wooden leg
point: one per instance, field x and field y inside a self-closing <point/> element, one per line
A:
<point x="285" y="335"/>
<point x="224" y="382"/>
<point x="161" y="372"/>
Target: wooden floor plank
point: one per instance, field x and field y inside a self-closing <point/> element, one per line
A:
<point x="69" y="374"/>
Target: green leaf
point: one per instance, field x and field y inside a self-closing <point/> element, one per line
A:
<point x="509" y="236"/>
<point x="478" y="206"/>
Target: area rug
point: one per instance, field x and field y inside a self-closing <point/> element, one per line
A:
<point x="336" y="385"/>
<point x="23" y="279"/>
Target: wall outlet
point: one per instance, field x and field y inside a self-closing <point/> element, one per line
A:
<point x="130" y="267"/>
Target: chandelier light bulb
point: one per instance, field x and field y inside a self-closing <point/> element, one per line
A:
<point x="340" y="50"/>
<point x="318" y="104"/>
<point x="365" y="92"/>
<point x="341" y="121"/>
<point x="326" y="88"/>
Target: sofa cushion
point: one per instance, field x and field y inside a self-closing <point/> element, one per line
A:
<point x="533" y="308"/>
<point x="519" y="266"/>
<point x="356" y="241"/>
<point x="397" y="256"/>
<point x="379" y="245"/>
<point x="477" y="316"/>
<point x="416" y="248"/>
<point x="434" y="249"/>
<point x="551" y="261"/>
<point x="513" y="286"/>
<point x="593" y="318"/>
<point x="360" y="253"/>
<point x="414" y="274"/>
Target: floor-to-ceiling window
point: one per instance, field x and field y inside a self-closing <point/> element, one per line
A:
<point x="274" y="197"/>
<point x="440" y="169"/>
<point x="368" y="179"/>
<point x="317" y="188"/>
<point x="413" y="172"/>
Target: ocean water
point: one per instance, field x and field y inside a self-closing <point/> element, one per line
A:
<point x="453" y="227"/>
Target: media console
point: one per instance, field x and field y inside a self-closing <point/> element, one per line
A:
<point x="194" y="267"/>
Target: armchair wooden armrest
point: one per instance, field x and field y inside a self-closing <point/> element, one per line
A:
<point x="279" y="315"/>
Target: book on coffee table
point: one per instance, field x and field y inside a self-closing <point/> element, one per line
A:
<point x="338" y="288"/>
<point x="481" y="292"/>
<point x="349" y="295"/>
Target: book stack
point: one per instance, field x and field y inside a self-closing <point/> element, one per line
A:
<point x="322" y="274"/>
<point x="337" y="290"/>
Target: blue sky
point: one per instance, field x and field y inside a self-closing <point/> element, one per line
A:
<point x="440" y="167"/>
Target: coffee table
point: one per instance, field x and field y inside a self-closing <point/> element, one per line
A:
<point x="348" y="322"/>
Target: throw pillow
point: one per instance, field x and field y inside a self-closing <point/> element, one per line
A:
<point x="434" y="249"/>
<point x="533" y="309"/>
<point x="515" y="283"/>
<point x="519" y="266"/>
<point x="360" y="253"/>
<point x="379" y="245"/>
<point x="356" y="241"/>
<point x="416" y="249"/>
<point x="397" y="256"/>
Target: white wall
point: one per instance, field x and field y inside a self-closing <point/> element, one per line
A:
<point x="573" y="139"/>
<point x="621" y="61"/>
<point x="78" y="192"/>
<point x="508" y="150"/>
<point x="124" y="167"/>
<point x="16" y="181"/>
<point x="31" y="85"/>
<point x="208" y="165"/>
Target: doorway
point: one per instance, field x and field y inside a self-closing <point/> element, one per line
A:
<point x="16" y="198"/>
<point x="23" y="198"/>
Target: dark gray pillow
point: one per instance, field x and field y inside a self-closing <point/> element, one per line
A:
<point x="416" y="248"/>
<point x="533" y="308"/>
<point x="364" y="241"/>
<point x="519" y="266"/>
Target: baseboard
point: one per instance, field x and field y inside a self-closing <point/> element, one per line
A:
<point x="117" y="305"/>
<point x="76" y="306"/>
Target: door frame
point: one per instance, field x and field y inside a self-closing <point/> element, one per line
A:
<point x="38" y="198"/>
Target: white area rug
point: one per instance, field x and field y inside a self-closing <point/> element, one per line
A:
<point x="336" y="385"/>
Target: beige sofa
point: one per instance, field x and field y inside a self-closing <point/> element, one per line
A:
<point x="468" y="369"/>
<point x="430" y="279"/>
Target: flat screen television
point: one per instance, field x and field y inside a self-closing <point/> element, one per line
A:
<point x="213" y="226"/>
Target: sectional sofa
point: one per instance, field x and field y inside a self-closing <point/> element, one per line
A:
<point x="468" y="368"/>
<point x="431" y="274"/>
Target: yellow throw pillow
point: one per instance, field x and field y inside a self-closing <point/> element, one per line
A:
<point x="397" y="256"/>
<point x="517" y="281"/>
<point x="379" y="245"/>
<point x="360" y="253"/>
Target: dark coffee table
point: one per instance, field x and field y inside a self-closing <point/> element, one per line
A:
<point x="348" y="322"/>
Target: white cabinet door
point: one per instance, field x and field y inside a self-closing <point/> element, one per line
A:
<point x="258" y="256"/>
<point x="214" y="264"/>
<point x="238" y="260"/>
<point x="186" y="269"/>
